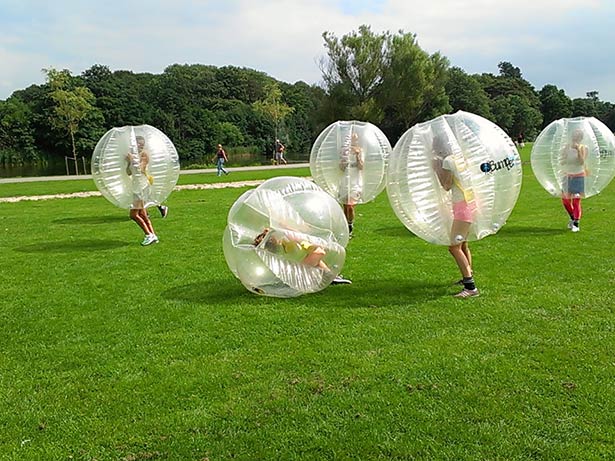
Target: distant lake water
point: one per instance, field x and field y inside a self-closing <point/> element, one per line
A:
<point x="49" y="169"/>
<point x="59" y="169"/>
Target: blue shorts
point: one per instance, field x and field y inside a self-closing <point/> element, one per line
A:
<point x="574" y="185"/>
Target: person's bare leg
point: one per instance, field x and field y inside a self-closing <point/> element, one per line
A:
<point x="461" y="251"/>
<point x="349" y="213"/>
<point x="136" y="217"/>
<point x="466" y="251"/>
<point x="148" y="223"/>
<point x="462" y="261"/>
<point x="315" y="259"/>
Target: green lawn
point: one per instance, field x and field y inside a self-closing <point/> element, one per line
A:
<point x="113" y="351"/>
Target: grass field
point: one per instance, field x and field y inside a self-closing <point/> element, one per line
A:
<point x="113" y="351"/>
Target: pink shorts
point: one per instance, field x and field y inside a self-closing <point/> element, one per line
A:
<point x="462" y="211"/>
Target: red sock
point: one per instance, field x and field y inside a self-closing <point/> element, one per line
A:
<point x="576" y="208"/>
<point x="568" y="205"/>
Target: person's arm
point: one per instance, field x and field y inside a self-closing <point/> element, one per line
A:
<point x="143" y="162"/>
<point x="581" y="152"/>
<point x="128" y="161"/>
<point x="359" y="154"/>
<point x="445" y="177"/>
<point x="343" y="160"/>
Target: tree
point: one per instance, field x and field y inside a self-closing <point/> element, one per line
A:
<point x="413" y="88"/>
<point x="554" y="104"/>
<point x="465" y="93"/>
<point x="302" y="123"/>
<point x="16" y="132"/>
<point x="272" y="106"/>
<point x="515" y="116"/>
<point x="229" y="134"/>
<point x="508" y="70"/>
<point x="386" y="79"/>
<point x="123" y="96"/>
<point x="354" y="70"/>
<point x="514" y="102"/>
<point x="72" y="105"/>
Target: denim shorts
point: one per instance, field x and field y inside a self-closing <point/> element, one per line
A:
<point x="574" y="185"/>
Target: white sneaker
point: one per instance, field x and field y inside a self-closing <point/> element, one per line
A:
<point x="340" y="280"/>
<point x="570" y="224"/>
<point x="465" y="293"/>
<point x="149" y="239"/>
<point x="575" y="228"/>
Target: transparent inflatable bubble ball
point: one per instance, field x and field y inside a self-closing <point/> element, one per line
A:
<point x="454" y="171"/>
<point x="285" y="238"/>
<point x="349" y="161"/>
<point x="574" y="152"/>
<point x="135" y="166"/>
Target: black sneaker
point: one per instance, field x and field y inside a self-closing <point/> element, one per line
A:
<point x="164" y="211"/>
<point x="340" y="280"/>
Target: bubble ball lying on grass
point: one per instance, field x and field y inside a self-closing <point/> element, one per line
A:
<point x="558" y="141"/>
<point x="119" y="171"/>
<point x="348" y="160"/>
<point x="285" y="238"/>
<point x="488" y="177"/>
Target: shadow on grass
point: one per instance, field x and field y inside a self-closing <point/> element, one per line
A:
<point x="529" y="231"/>
<point x="92" y="219"/>
<point x="367" y="294"/>
<point x="396" y="231"/>
<point x="380" y="294"/>
<point x="215" y="292"/>
<point x="72" y="246"/>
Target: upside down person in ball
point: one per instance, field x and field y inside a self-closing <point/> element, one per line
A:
<point x="572" y="160"/>
<point x="136" y="168"/>
<point x="291" y="244"/>
<point x="448" y="175"/>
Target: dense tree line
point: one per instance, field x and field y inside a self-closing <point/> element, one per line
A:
<point x="196" y="106"/>
<point x="385" y="78"/>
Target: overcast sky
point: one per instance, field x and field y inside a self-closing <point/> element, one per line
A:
<point x="568" y="43"/>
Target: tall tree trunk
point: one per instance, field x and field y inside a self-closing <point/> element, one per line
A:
<point x="72" y="140"/>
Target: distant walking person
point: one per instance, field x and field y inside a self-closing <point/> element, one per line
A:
<point x="279" y="153"/>
<point x="220" y="158"/>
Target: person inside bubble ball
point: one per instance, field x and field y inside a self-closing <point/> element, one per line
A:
<point x="572" y="161"/>
<point x="294" y="247"/>
<point x="351" y="183"/>
<point x="447" y="172"/>
<point x="136" y="168"/>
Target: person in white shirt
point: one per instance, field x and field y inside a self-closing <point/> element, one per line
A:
<point x="447" y="170"/>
